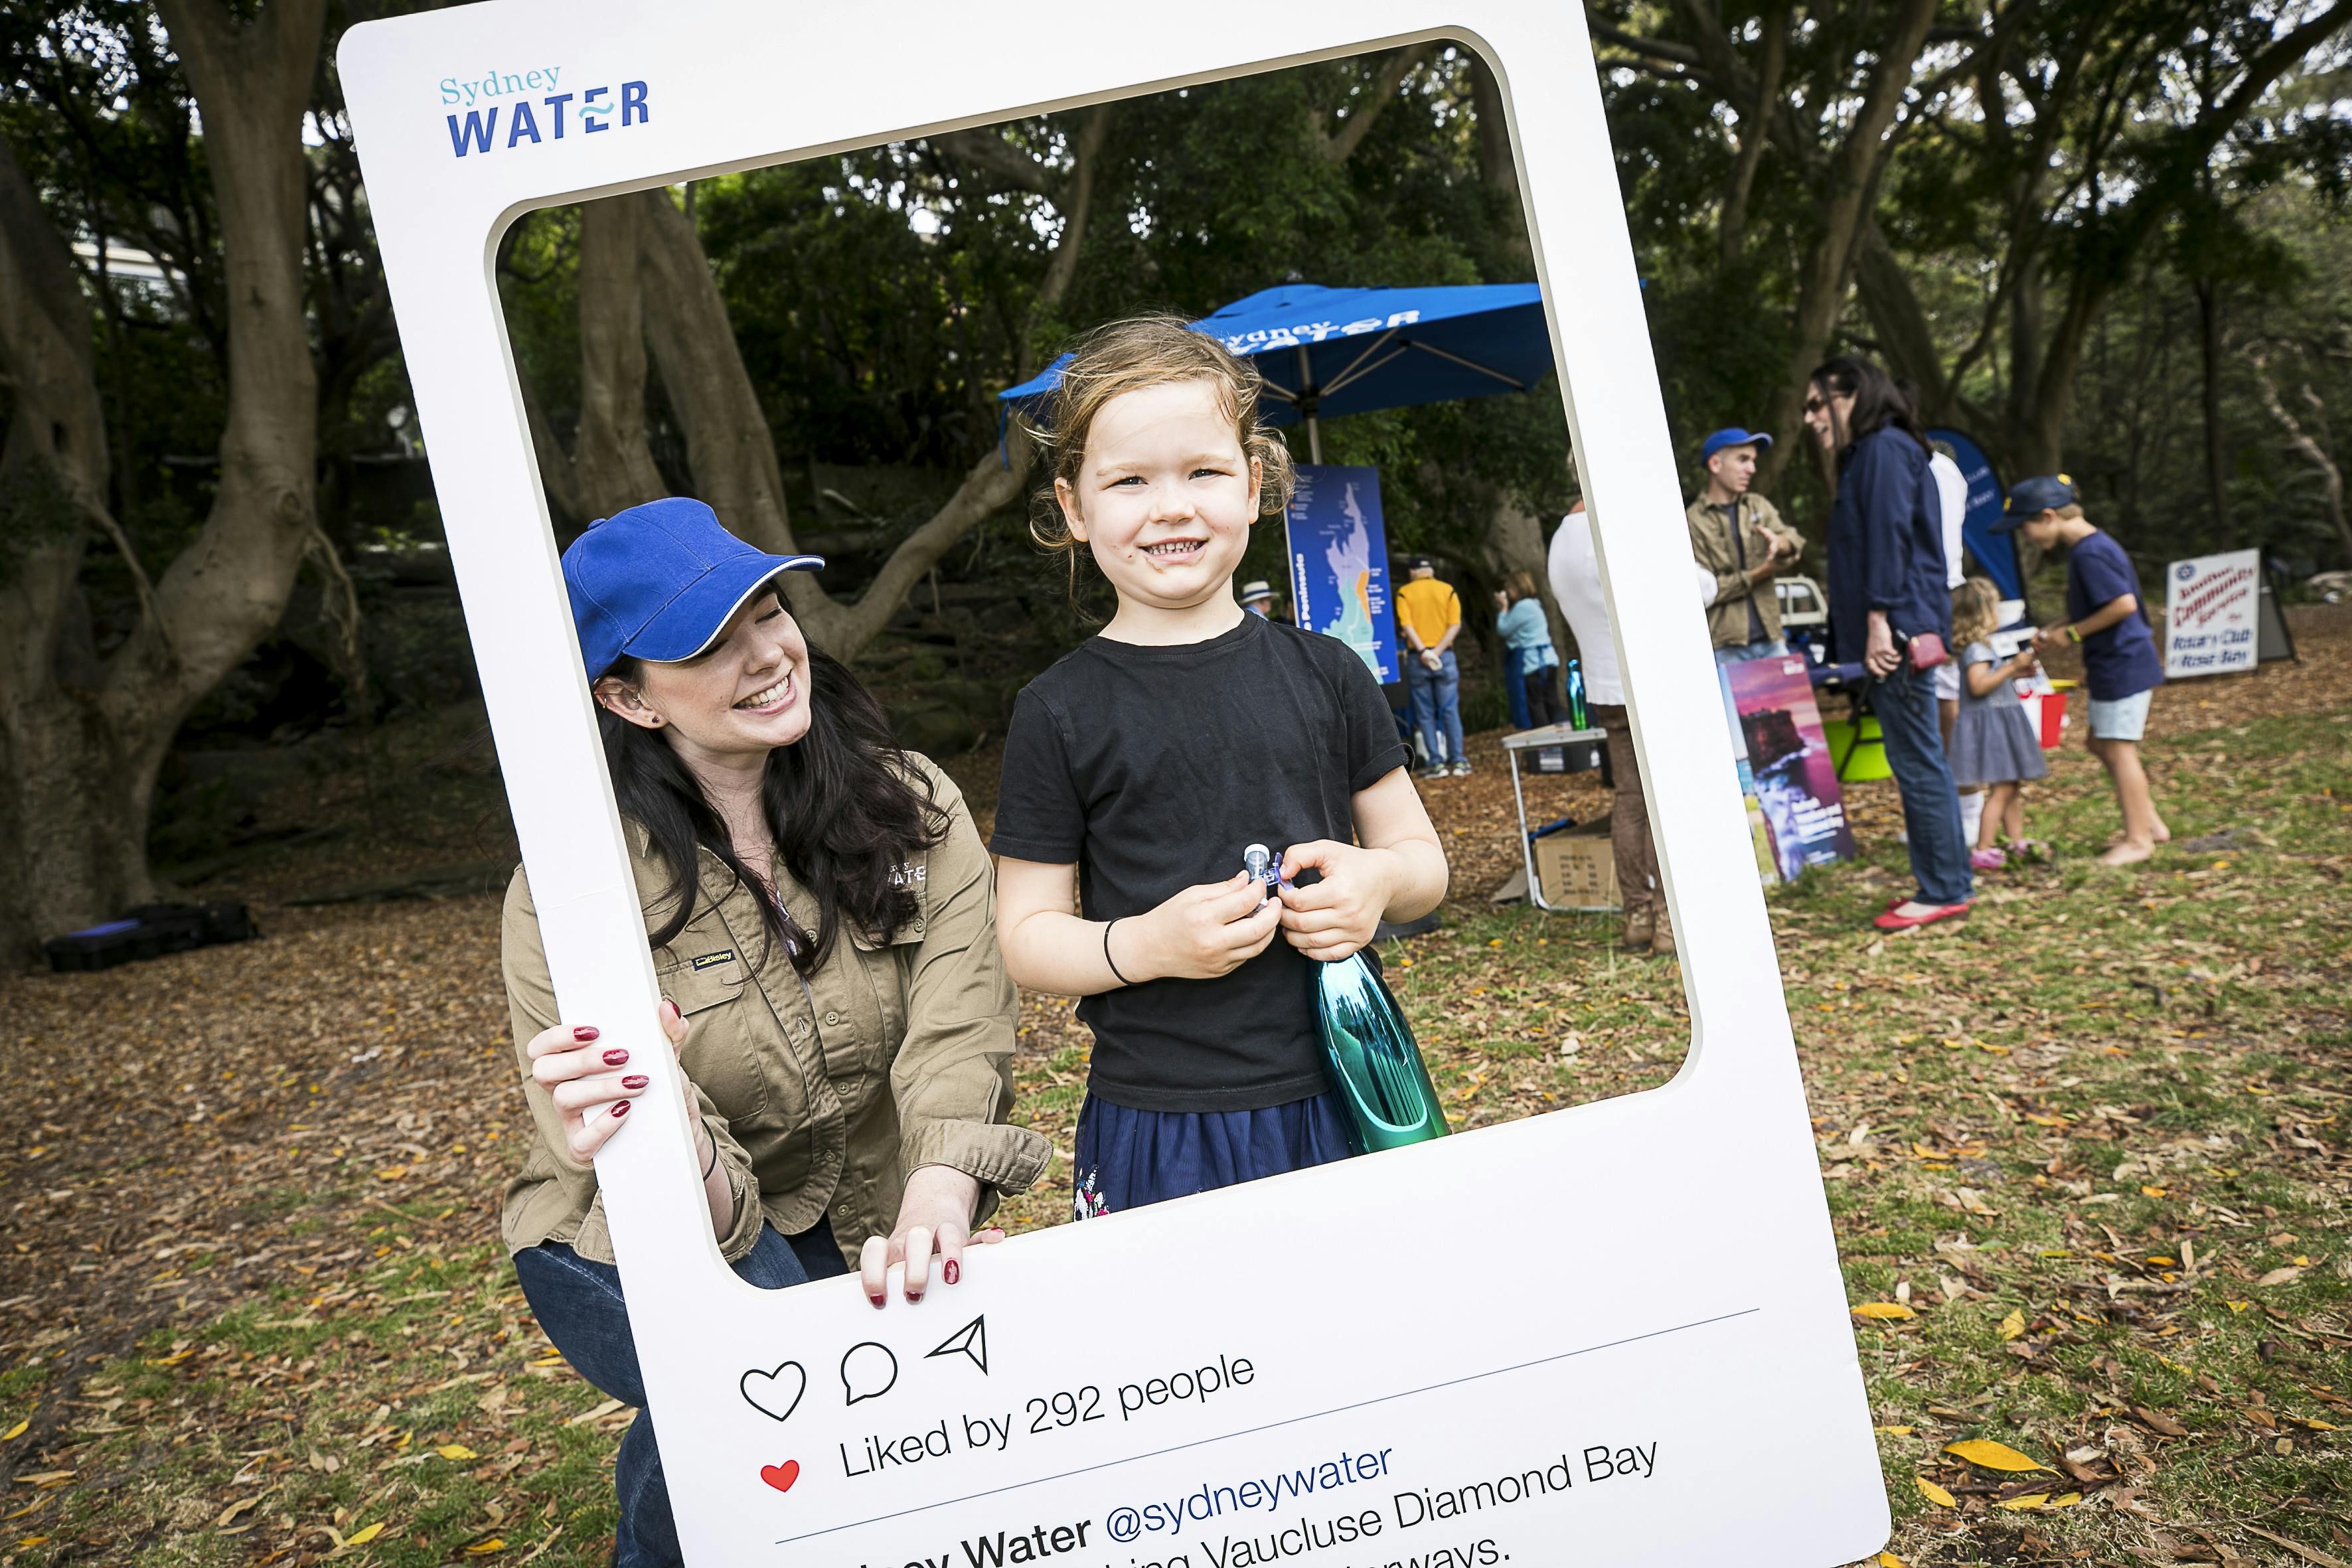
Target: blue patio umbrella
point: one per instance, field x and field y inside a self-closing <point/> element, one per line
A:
<point x="1328" y="351"/>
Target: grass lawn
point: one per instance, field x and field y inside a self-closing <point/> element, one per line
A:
<point x="2087" y="1154"/>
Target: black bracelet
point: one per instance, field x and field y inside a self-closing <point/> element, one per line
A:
<point x="1122" y="979"/>
<point x="714" y="1153"/>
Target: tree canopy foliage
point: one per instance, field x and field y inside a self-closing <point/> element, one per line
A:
<point x="2101" y="235"/>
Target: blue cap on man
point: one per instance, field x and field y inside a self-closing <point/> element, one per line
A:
<point x="2028" y="499"/>
<point x="1733" y="436"/>
<point x="660" y="581"/>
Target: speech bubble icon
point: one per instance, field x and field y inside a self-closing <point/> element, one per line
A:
<point x="869" y="1371"/>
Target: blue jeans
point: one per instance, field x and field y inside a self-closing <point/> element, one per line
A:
<point x="578" y="1304"/>
<point x="1436" y="704"/>
<point x="1740" y="653"/>
<point x="1904" y="703"/>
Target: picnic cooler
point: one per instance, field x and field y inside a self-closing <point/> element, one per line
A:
<point x="1577" y="867"/>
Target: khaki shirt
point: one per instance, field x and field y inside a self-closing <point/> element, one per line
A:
<point x="1711" y="546"/>
<point x="820" y="1096"/>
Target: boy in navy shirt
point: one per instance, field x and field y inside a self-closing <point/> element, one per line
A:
<point x="2104" y="615"/>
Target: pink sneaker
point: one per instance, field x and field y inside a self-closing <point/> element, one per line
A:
<point x="1987" y="859"/>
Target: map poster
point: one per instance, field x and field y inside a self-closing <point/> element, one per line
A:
<point x="1795" y="778"/>
<point x="1340" y="562"/>
<point x="2210" y="625"/>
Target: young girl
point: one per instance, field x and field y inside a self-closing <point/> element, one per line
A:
<point x="1993" y="743"/>
<point x="1530" y="656"/>
<point x="1139" y="767"/>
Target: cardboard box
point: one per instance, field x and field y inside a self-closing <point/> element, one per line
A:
<point x="1577" y="867"/>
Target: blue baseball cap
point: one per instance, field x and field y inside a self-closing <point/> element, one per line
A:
<point x="1733" y="436"/>
<point x="660" y="581"/>
<point x="2028" y="499"/>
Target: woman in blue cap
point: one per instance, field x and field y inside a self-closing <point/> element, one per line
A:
<point x="822" y="916"/>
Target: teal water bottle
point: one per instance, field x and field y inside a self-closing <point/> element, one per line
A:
<point x="1578" y="716"/>
<point x="1368" y="1048"/>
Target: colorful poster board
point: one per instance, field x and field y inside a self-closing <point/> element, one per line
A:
<point x="1159" y="1386"/>
<point x="1339" y="562"/>
<point x="1791" y="776"/>
<point x="2211" y="608"/>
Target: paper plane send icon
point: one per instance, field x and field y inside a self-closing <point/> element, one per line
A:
<point x="972" y="1340"/>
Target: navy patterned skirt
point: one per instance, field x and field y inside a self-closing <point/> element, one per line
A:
<point x="1130" y="1158"/>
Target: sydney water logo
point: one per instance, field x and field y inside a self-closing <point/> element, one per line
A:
<point x="478" y="132"/>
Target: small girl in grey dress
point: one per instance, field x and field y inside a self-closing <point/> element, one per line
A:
<point x="1993" y="738"/>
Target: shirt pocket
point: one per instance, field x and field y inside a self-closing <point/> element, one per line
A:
<point x="721" y="1054"/>
<point x="889" y="968"/>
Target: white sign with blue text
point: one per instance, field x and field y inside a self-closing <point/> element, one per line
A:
<point x="1554" y="1340"/>
<point x="2210" y="609"/>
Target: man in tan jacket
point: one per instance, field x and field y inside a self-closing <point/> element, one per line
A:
<point x="1741" y="539"/>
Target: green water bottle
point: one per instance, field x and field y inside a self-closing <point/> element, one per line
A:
<point x="1580" y="716"/>
<point x="1368" y="1048"/>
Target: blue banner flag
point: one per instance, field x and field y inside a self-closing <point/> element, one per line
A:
<point x="1340" y="562"/>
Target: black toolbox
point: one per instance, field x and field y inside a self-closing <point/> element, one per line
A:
<point x="149" y="931"/>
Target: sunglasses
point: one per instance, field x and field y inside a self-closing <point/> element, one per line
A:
<point x="1814" y="405"/>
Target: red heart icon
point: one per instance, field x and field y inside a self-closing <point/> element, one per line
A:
<point x="781" y="1477"/>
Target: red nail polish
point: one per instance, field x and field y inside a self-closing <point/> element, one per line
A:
<point x="878" y="1300"/>
<point x="913" y="1297"/>
<point x="635" y="1080"/>
<point x="585" y="1033"/>
<point x="952" y="1271"/>
<point x="620" y="1108"/>
<point x="615" y="1057"/>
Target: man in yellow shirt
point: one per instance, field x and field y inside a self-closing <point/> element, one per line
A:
<point x="1429" y="617"/>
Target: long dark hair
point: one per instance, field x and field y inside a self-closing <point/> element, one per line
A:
<point x="1878" y="403"/>
<point x="846" y="805"/>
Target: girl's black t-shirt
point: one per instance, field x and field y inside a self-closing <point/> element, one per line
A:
<point x="1151" y="769"/>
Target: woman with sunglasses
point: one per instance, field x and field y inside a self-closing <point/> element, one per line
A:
<point x="1889" y="605"/>
<point x="822" y="917"/>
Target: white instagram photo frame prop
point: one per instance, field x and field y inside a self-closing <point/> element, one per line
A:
<point x="1611" y="1334"/>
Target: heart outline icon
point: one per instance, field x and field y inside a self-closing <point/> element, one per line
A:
<point x="760" y="1391"/>
<point x="781" y="1477"/>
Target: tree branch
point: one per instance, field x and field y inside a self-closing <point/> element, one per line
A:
<point x="1338" y="146"/>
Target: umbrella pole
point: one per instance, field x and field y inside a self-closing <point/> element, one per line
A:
<point x="1306" y="401"/>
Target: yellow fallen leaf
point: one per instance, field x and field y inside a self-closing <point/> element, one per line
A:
<point x="2153" y="1260"/>
<point x="1993" y="1455"/>
<point x="2237" y="1306"/>
<point x="481" y="1548"/>
<point x="456" y="1451"/>
<point x="1896" y="1431"/>
<point x="2031" y="1500"/>
<point x="14" y="1432"/>
<point x="1936" y="1494"/>
<point x="1888" y="1559"/>
<point x="2148" y="1193"/>
<point x="1888" y="1310"/>
<point x="361" y="1538"/>
<point x="2013" y="1325"/>
<point x="2065" y="1500"/>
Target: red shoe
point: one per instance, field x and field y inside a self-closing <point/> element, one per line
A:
<point x="1890" y="920"/>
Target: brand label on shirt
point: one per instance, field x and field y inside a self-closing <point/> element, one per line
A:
<point x="709" y="960"/>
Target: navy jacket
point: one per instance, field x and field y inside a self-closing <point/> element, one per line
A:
<point x="1886" y="543"/>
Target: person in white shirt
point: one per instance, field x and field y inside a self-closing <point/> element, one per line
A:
<point x="1575" y="574"/>
<point x="1952" y="489"/>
